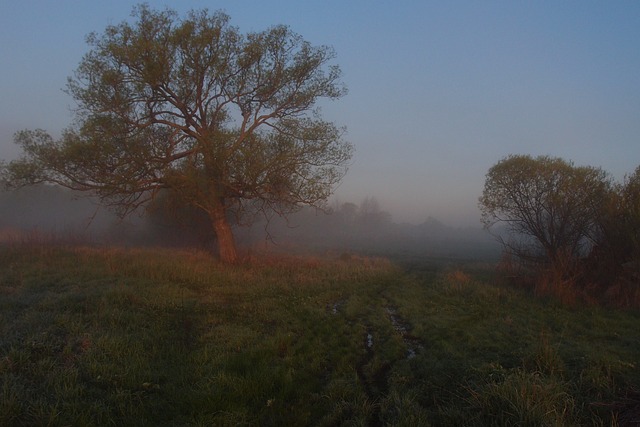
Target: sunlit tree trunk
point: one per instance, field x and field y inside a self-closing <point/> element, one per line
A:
<point x="224" y="235"/>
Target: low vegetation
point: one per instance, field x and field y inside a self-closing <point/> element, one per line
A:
<point x="164" y="337"/>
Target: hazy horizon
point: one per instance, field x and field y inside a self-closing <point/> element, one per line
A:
<point x="48" y="214"/>
<point x="438" y="91"/>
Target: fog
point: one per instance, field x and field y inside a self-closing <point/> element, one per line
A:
<point x="51" y="213"/>
<point x="47" y="213"/>
<point x="438" y="91"/>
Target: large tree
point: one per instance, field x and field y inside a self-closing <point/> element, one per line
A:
<point x="228" y="122"/>
<point x="550" y="209"/>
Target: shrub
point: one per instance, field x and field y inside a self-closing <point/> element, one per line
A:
<point x="524" y="398"/>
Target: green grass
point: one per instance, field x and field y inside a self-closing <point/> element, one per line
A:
<point x="165" y="337"/>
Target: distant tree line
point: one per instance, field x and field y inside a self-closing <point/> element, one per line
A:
<point x="569" y="229"/>
<point x="53" y="214"/>
<point x="170" y="218"/>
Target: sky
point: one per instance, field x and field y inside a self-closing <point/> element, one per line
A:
<point x="438" y="91"/>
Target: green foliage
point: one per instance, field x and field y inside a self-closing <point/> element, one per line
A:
<point x="228" y="121"/>
<point x="553" y="204"/>
<point x="574" y="232"/>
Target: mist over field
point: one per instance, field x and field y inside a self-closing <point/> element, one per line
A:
<point x="357" y="227"/>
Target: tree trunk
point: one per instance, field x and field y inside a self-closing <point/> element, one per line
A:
<point x="224" y="235"/>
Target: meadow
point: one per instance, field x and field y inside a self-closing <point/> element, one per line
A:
<point x="116" y="336"/>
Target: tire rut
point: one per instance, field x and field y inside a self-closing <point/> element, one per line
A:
<point x="376" y="383"/>
<point x="413" y="343"/>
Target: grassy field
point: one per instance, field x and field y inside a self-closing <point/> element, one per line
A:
<point x="164" y="337"/>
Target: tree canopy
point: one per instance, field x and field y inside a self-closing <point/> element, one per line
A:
<point x="227" y="122"/>
<point x="619" y="241"/>
<point x="550" y="208"/>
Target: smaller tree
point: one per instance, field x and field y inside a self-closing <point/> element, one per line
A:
<point x="347" y="212"/>
<point x="550" y="208"/>
<point x="370" y="214"/>
<point x="619" y="241"/>
<point x="631" y="209"/>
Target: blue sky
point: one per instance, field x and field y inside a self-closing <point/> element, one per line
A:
<point x="438" y="91"/>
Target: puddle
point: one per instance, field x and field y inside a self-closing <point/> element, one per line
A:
<point x="335" y="307"/>
<point x="412" y="342"/>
